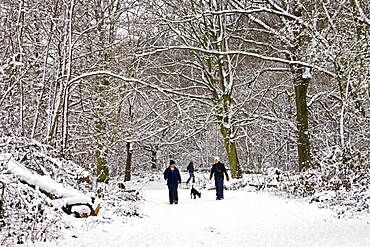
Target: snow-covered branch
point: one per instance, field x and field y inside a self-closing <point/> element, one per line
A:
<point x="251" y="11"/>
<point x="272" y="119"/>
<point x="244" y="53"/>
<point x="160" y="89"/>
<point x="361" y="13"/>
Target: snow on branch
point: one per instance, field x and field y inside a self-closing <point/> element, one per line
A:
<point x="315" y="97"/>
<point x="273" y="119"/>
<point x="362" y="14"/>
<point x="109" y="73"/>
<point x="227" y="53"/>
<point x="279" y="12"/>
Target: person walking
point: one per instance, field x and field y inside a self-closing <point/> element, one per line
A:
<point x="218" y="170"/>
<point x="173" y="178"/>
<point x="190" y="169"/>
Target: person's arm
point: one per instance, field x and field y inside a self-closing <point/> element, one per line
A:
<point x="212" y="172"/>
<point x="226" y="174"/>
<point x="165" y="175"/>
<point x="178" y="176"/>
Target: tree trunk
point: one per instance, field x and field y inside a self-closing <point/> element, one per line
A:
<point x="61" y="105"/>
<point x="65" y="123"/>
<point x="100" y="154"/>
<point x="301" y="85"/>
<point x="232" y="155"/>
<point x="154" y="159"/>
<point x="101" y="167"/>
<point x="233" y="159"/>
<point x="153" y="149"/>
<point x="41" y="98"/>
<point x="57" y="110"/>
<point x="68" y="71"/>
<point x="128" y="162"/>
<point x="19" y="58"/>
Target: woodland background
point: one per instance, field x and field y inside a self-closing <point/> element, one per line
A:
<point x="93" y="92"/>
<point x="119" y="86"/>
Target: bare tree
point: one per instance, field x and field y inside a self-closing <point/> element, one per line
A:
<point x="281" y="80"/>
<point x="214" y="41"/>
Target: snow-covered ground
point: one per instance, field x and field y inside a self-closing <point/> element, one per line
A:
<point x="244" y="218"/>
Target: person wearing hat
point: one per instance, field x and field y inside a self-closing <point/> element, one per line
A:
<point x="218" y="169"/>
<point x="173" y="178"/>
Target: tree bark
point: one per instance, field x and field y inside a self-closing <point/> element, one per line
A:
<point x="301" y="85"/>
<point x="68" y="77"/>
<point x="101" y="167"/>
<point x="128" y="162"/>
<point x="100" y="154"/>
<point x="232" y="156"/>
<point x="230" y="146"/>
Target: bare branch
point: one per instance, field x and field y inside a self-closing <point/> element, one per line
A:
<point x="109" y="73"/>
<point x="362" y="14"/>
<point x="250" y="54"/>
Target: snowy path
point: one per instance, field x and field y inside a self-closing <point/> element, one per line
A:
<point x="242" y="219"/>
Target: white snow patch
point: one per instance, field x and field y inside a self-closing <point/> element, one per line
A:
<point x="307" y="73"/>
<point x="244" y="218"/>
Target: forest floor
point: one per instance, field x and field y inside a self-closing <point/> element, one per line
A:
<point x="243" y="218"/>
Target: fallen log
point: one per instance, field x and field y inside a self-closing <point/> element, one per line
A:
<point x="61" y="197"/>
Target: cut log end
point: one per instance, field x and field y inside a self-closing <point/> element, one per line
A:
<point x="81" y="210"/>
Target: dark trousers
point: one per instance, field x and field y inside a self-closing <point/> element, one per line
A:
<point x="191" y="175"/>
<point x="219" y="187"/>
<point x="172" y="189"/>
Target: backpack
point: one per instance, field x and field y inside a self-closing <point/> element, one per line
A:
<point x="218" y="170"/>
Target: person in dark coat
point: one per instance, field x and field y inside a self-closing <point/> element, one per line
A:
<point x="218" y="170"/>
<point x="173" y="178"/>
<point x="190" y="169"/>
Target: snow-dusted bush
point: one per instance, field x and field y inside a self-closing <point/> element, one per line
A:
<point x="346" y="191"/>
<point x="344" y="181"/>
<point x="334" y="182"/>
<point x="28" y="214"/>
<point x="120" y="201"/>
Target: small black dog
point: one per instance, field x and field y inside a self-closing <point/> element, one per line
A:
<point x="194" y="193"/>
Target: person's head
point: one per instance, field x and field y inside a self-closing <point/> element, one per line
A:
<point x="172" y="163"/>
<point x="191" y="161"/>
<point x="217" y="159"/>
